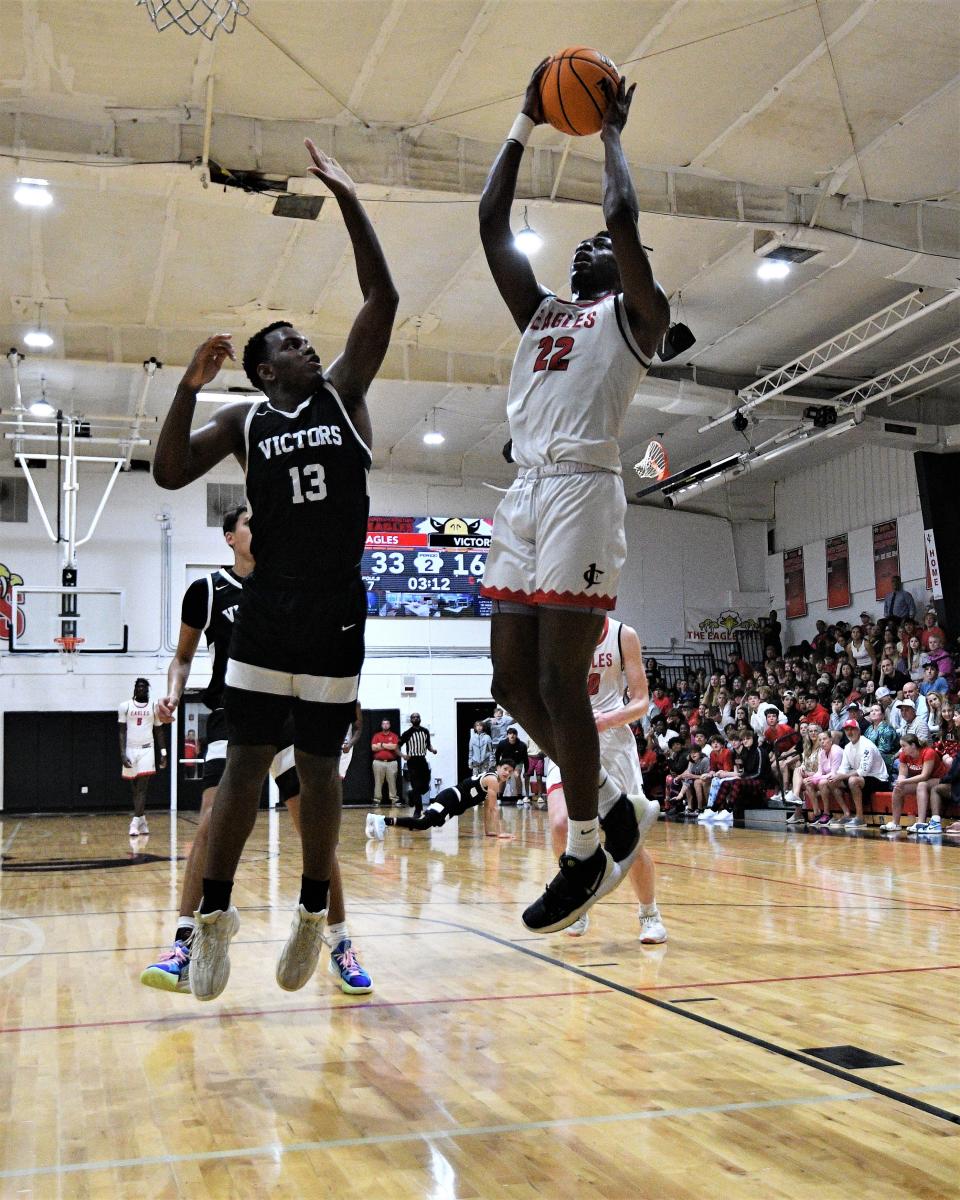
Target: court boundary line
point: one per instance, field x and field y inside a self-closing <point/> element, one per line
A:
<point x="879" y="1089"/>
<point x="428" y="1135"/>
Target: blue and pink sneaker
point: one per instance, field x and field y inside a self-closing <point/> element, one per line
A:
<point x="344" y="965"/>
<point x="171" y="971"/>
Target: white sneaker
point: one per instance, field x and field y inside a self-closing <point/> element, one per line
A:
<point x="791" y="797"/>
<point x="855" y="823"/>
<point x="579" y="927"/>
<point x="210" y="952"/>
<point x="134" y="830"/>
<point x="724" y="816"/>
<point x="707" y="816"/>
<point x="368" y="828"/>
<point x="143" y="825"/>
<point x="934" y="825"/>
<point x="375" y="826"/>
<point x="652" y="929"/>
<point x="299" y="957"/>
<point x="837" y="821"/>
<point x="890" y="827"/>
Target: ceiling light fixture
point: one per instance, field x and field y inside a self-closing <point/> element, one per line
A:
<point x="773" y="269"/>
<point x="527" y="241"/>
<point x="33" y="193"/>
<point x="38" y="339"/>
<point x="42" y="407"/>
<point x="433" y="437"/>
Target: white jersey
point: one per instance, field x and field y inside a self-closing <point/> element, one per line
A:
<point x="139" y="720"/>
<point x="606" y="682"/>
<point x="576" y="370"/>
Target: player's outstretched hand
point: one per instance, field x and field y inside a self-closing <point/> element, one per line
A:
<point x="207" y="360"/>
<point x="166" y="707"/>
<point x="531" y="106"/>
<point x="619" y="100"/>
<point x="328" y="170"/>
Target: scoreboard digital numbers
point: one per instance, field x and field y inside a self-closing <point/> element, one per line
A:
<point x="426" y="566"/>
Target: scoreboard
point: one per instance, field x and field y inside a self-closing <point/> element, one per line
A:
<point x="426" y="566"/>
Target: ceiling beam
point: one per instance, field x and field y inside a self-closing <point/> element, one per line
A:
<point x="375" y="53"/>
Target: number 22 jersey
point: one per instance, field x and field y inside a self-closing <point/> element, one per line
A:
<point x="575" y="372"/>
<point x="307" y="491"/>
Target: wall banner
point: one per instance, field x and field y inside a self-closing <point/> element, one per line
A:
<point x="934" y="584"/>
<point x="886" y="557"/>
<point x="838" y="572"/>
<point x="794" y="583"/>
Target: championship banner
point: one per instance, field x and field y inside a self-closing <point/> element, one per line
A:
<point x="426" y="566"/>
<point x="794" y="583"/>
<point x="838" y="572"/>
<point x="886" y="557"/>
<point x="934" y="584"/>
<point x="712" y="627"/>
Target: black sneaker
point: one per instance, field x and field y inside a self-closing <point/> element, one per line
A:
<point x="626" y="826"/>
<point x="577" y="886"/>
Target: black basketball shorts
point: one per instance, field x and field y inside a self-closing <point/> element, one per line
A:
<point x="295" y="652"/>
<point x="215" y="750"/>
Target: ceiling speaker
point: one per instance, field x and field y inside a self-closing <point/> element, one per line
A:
<point x="677" y="339"/>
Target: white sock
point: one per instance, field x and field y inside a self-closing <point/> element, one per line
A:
<point x="608" y="793"/>
<point x="649" y="910"/>
<point x="335" y="934"/>
<point x="583" y="838"/>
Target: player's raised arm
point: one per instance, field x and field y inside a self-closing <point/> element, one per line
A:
<point x="648" y="309"/>
<point x="353" y="372"/>
<point x="183" y="456"/>
<point x="509" y="267"/>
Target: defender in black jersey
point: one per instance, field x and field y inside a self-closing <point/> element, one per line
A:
<point x="298" y="637"/>
<point x="454" y="802"/>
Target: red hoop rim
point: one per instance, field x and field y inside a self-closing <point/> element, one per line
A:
<point x="69" y="644"/>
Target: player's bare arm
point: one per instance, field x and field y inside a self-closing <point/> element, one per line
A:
<point x="637" y="684"/>
<point x="648" y="309"/>
<point x="124" y="758"/>
<point x="183" y="456"/>
<point x="178" y="672"/>
<point x="509" y="267"/>
<point x="353" y="372"/>
<point x="160" y="744"/>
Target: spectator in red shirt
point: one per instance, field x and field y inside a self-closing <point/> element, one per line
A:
<point x="816" y="714"/>
<point x="662" y="700"/>
<point x="921" y="769"/>
<point x="386" y="758"/>
<point x="931" y="626"/>
<point x="738" y="665"/>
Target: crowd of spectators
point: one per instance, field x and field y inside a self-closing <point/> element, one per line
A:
<point x="820" y="726"/>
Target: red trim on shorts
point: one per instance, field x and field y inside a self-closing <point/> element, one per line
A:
<point x="139" y="775"/>
<point x="535" y="599"/>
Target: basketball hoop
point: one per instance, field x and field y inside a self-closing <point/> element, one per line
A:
<point x="654" y="464"/>
<point x="69" y="645"/>
<point x="196" y="16"/>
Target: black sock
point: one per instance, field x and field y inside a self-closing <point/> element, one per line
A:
<point x="389" y="820"/>
<point x="216" y="895"/>
<point x="313" y="893"/>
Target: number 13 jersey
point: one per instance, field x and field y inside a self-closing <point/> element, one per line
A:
<point x="307" y="491"/>
<point x="576" y="370"/>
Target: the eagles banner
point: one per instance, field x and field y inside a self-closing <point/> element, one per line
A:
<point x="426" y="566"/>
<point x="720" y="624"/>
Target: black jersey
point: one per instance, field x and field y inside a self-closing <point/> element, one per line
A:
<point x="210" y="604"/>
<point x="307" y="492"/>
<point x="468" y="793"/>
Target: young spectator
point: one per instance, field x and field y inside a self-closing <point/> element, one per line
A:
<point x="807" y="766"/>
<point x="652" y="764"/>
<point x="949" y="789"/>
<point x="948" y="736"/>
<point x="721" y="766"/>
<point x="513" y="750"/>
<point x="480" y="751"/>
<point x="931" y="626"/>
<point x="779" y="747"/>
<point x="697" y="766"/>
<point x="921" y="769"/>
<point x="934" y="701"/>
<point x="661" y="701"/>
<point x="911" y="661"/>
<point x="937" y="655"/>
<point x="859" y="651"/>
<point x="829" y="758"/>
<point x="884" y="737"/>
<point x="498" y="724"/>
<point x="862" y="772"/>
<point x="814" y="711"/>
<point x="749" y="781"/>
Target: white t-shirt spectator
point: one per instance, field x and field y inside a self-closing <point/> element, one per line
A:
<point x="759" y="719"/>
<point x="863" y="759"/>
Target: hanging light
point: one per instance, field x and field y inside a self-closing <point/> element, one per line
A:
<point x="772" y="268"/>
<point x="42" y="407"/>
<point x="32" y="193"/>
<point x="38" y="339"/>
<point x="527" y="241"/>
<point x="433" y="436"/>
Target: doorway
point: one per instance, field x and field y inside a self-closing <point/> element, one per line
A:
<point x="469" y="711"/>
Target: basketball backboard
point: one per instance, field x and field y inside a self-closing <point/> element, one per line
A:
<point x="40" y="615"/>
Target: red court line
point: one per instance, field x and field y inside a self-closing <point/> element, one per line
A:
<point x="282" y="1012"/>
<point x="669" y="987"/>
<point x="818" y="887"/>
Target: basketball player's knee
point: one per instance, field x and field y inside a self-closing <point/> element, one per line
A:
<point x="560" y="678"/>
<point x="558" y="819"/>
<point x="507" y="685"/>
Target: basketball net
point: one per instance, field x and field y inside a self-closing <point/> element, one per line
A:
<point x="654" y="464"/>
<point x="196" y="16"/>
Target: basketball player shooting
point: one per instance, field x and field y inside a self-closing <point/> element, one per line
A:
<point x="558" y="542"/>
<point x="298" y="636"/>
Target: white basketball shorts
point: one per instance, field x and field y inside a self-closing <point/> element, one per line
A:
<point x="143" y="762"/>
<point x="558" y="539"/>
<point x="618" y="757"/>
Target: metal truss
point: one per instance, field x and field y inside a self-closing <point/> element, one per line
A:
<point x="934" y="362"/>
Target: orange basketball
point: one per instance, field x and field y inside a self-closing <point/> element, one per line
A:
<point x="570" y="91"/>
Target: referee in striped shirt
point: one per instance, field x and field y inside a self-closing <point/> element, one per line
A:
<point x="414" y="744"/>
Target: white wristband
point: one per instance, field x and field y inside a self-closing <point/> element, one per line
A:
<point x="521" y="129"/>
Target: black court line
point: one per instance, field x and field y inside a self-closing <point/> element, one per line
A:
<point x="696" y="1000"/>
<point x="601" y="964"/>
<point x="783" y="1051"/>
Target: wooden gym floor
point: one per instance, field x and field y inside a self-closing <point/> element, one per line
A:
<point x="487" y="1063"/>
